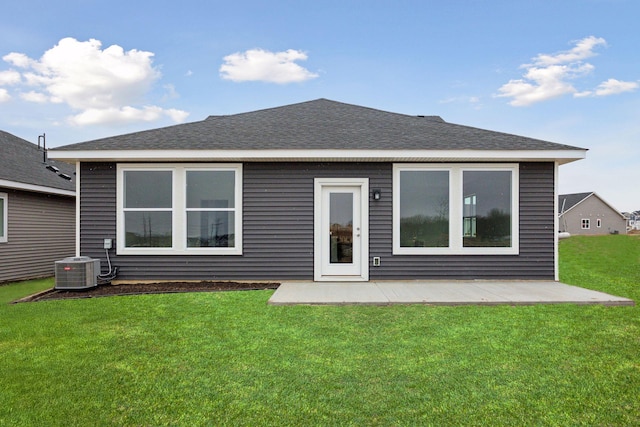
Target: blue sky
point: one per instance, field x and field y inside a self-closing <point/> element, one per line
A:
<point x="564" y="71"/>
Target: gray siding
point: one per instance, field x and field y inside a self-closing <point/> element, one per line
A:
<point x="593" y="208"/>
<point x="41" y="230"/>
<point x="278" y="229"/>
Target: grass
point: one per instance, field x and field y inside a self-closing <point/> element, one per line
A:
<point x="230" y="359"/>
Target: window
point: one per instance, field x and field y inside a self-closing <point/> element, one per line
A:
<point x="424" y="208"/>
<point x="148" y="208"/>
<point x="599" y="223"/>
<point x="3" y="217"/>
<point x="487" y="208"/>
<point x="210" y="208"/>
<point x="179" y="209"/>
<point x="586" y="223"/>
<point x="455" y="209"/>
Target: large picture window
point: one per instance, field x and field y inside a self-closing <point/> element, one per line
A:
<point x="179" y="209"/>
<point x="3" y="217"/>
<point x="455" y="209"/>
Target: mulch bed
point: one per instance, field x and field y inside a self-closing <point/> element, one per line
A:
<point x="149" y="288"/>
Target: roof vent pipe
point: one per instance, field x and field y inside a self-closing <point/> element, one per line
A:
<point x="44" y="147"/>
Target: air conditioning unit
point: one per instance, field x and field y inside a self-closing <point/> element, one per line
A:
<point x="77" y="273"/>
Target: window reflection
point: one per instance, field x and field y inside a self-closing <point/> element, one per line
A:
<point x="424" y="208"/>
<point x="487" y="208"/>
<point x="147" y="229"/>
<point x="341" y="227"/>
<point x="210" y="209"/>
<point x="148" y="209"/>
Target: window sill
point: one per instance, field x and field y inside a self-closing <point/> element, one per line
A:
<point x="176" y="252"/>
<point x="457" y="252"/>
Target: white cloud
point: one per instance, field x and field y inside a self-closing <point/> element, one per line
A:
<point x="262" y="65"/>
<point x="90" y="79"/>
<point x="176" y="115"/>
<point x="4" y="95"/>
<point x="613" y="87"/>
<point x="9" y="77"/>
<point x="550" y="76"/>
<point x="18" y="59"/>
<point x="33" y="96"/>
<point x="583" y="50"/>
<point x="127" y="114"/>
<point x="542" y="83"/>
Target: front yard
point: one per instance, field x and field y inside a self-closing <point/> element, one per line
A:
<point x="230" y="359"/>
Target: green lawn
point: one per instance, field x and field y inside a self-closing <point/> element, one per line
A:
<point x="230" y="359"/>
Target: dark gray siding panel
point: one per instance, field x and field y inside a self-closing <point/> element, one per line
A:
<point x="278" y="229"/>
<point x="41" y="230"/>
<point x="97" y="209"/>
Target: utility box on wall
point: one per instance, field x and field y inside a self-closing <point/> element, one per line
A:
<point x="75" y="273"/>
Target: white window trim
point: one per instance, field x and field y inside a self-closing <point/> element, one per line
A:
<point x="179" y="219"/>
<point x="456" y="209"/>
<point x="5" y="218"/>
<point x="599" y="223"/>
<point x="587" y="222"/>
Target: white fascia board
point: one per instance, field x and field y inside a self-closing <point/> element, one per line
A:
<point x="37" y="188"/>
<point x="561" y="156"/>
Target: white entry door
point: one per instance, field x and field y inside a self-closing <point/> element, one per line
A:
<point x="341" y="241"/>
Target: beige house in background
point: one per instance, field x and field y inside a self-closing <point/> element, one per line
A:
<point x="589" y="214"/>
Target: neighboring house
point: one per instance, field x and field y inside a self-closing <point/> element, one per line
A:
<point x="589" y="214"/>
<point x="37" y="210"/>
<point x="323" y="191"/>
<point x="633" y="220"/>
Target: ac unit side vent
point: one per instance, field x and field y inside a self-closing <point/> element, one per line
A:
<point x="76" y="273"/>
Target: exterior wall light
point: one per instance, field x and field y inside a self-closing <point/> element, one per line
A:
<point x="376" y="193"/>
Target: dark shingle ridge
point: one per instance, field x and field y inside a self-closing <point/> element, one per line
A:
<point x="318" y="124"/>
<point x="22" y="162"/>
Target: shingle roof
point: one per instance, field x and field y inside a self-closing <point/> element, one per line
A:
<point x="319" y="124"/>
<point x="567" y="201"/>
<point x="22" y="162"/>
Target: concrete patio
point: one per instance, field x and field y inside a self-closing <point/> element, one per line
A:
<point x="474" y="292"/>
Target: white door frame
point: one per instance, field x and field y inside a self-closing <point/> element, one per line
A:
<point x="320" y="249"/>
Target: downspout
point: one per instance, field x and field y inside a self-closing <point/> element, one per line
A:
<point x="556" y="223"/>
<point x="78" y="208"/>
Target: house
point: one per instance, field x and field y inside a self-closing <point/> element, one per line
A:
<point x="633" y="220"/>
<point x="323" y="191"/>
<point x="589" y="214"/>
<point x="37" y="210"/>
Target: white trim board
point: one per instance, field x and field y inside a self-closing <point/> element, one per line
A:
<point x="561" y="156"/>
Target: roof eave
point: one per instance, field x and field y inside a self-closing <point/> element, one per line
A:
<point x="325" y="155"/>
<point x="35" y="188"/>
